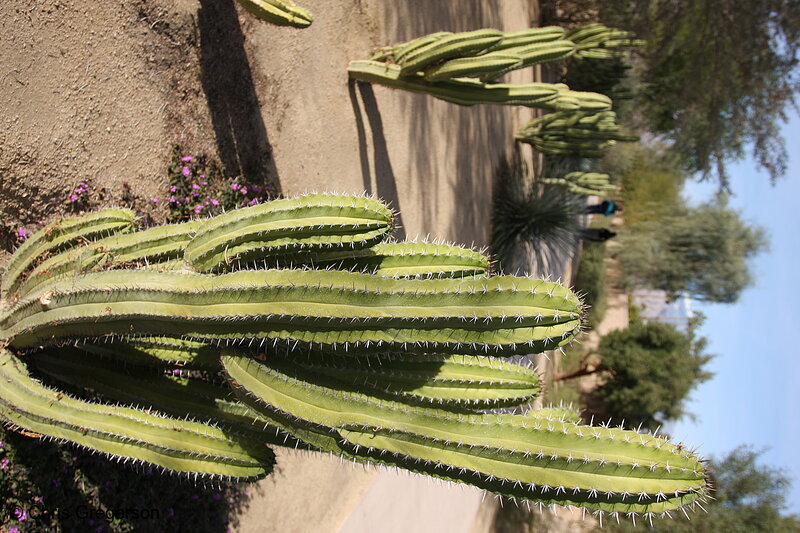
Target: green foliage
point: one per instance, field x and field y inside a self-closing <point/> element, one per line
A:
<point x="750" y="498"/>
<point x="590" y="280"/>
<point x="700" y="251"/>
<point x="651" y="181"/>
<point x="716" y="77"/>
<point x="653" y="366"/>
<point x="198" y="187"/>
<point x="720" y="75"/>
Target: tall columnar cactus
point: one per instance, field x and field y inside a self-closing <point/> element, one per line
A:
<point x="389" y="364"/>
<point x="467" y="92"/>
<point x="457" y="67"/>
<point x="574" y="133"/>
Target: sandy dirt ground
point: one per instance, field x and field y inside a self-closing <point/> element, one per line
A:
<point x="98" y="92"/>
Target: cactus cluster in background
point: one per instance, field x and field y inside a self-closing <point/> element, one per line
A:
<point x="279" y="12"/>
<point x="597" y="41"/>
<point x="574" y="133"/>
<point x="462" y="67"/>
<point x="586" y="183"/>
<point x="193" y="347"/>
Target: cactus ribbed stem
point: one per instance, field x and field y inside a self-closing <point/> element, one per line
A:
<point x="171" y="443"/>
<point x="596" y="467"/>
<point x="61" y="235"/>
<point x="342" y="311"/>
<point x="307" y="223"/>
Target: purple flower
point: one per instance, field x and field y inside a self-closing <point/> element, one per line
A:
<point x="20" y="514"/>
<point x="187" y="158"/>
<point x="73" y="197"/>
<point x="172" y="188"/>
<point x="155" y="200"/>
<point x="215" y="201"/>
<point x="2" y="444"/>
<point x="4" y="464"/>
<point x="13" y="530"/>
<point x="217" y="496"/>
<point x="204" y="183"/>
<point x="171" y="199"/>
<point x="185" y="171"/>
<point x="22" y="233"/>
<point x="235" y="186"/>
<point x="243" y="190"/>
<point x="198" y="208"/>
<point x="195" y="186"/>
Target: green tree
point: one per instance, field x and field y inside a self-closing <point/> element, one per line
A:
<point x="750" y="498"/>
<point x="651" y="368"/>
<point x="699" y="251"/>
<point x="720" y="75"/>
<point x="716" y="77"/>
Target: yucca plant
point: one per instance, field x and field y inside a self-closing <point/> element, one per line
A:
<point x="532" y="225"/>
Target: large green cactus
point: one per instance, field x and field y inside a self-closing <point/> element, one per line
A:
<point x="448" y="65"/>
<point x="384" y="365"/>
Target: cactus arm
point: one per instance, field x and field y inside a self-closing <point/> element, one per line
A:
<point x="400" y="51"/>
<point x="530" y="36"/>
<point x="173" y="444"/>
<point x="502" y="315"/>
<point x="456" y="381"/>
<point x="601" y="465"/>
<point x="447" y="47"/>
<point x="462" y="92"/>
<point x="279" y="12"/>
<point x="401" y="260"/>
<point x="472" y="67"/>
<point x="183" y="397"/>
<point x="60" y="235"/>
<point x="313" y="221"/>
<point x="156" y="352"/>
<point x="153" y="245"/>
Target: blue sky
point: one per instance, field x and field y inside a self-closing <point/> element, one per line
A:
<point x="755" y="396"/>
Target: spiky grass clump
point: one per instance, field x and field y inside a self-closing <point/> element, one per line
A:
<point x="532" y="222"/>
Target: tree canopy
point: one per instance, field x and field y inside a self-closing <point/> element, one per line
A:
<point x="716" y="77"/>
<point x="720" y="75"/>
<point x="653" y="368"/>
<point x="699" y="251"/>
